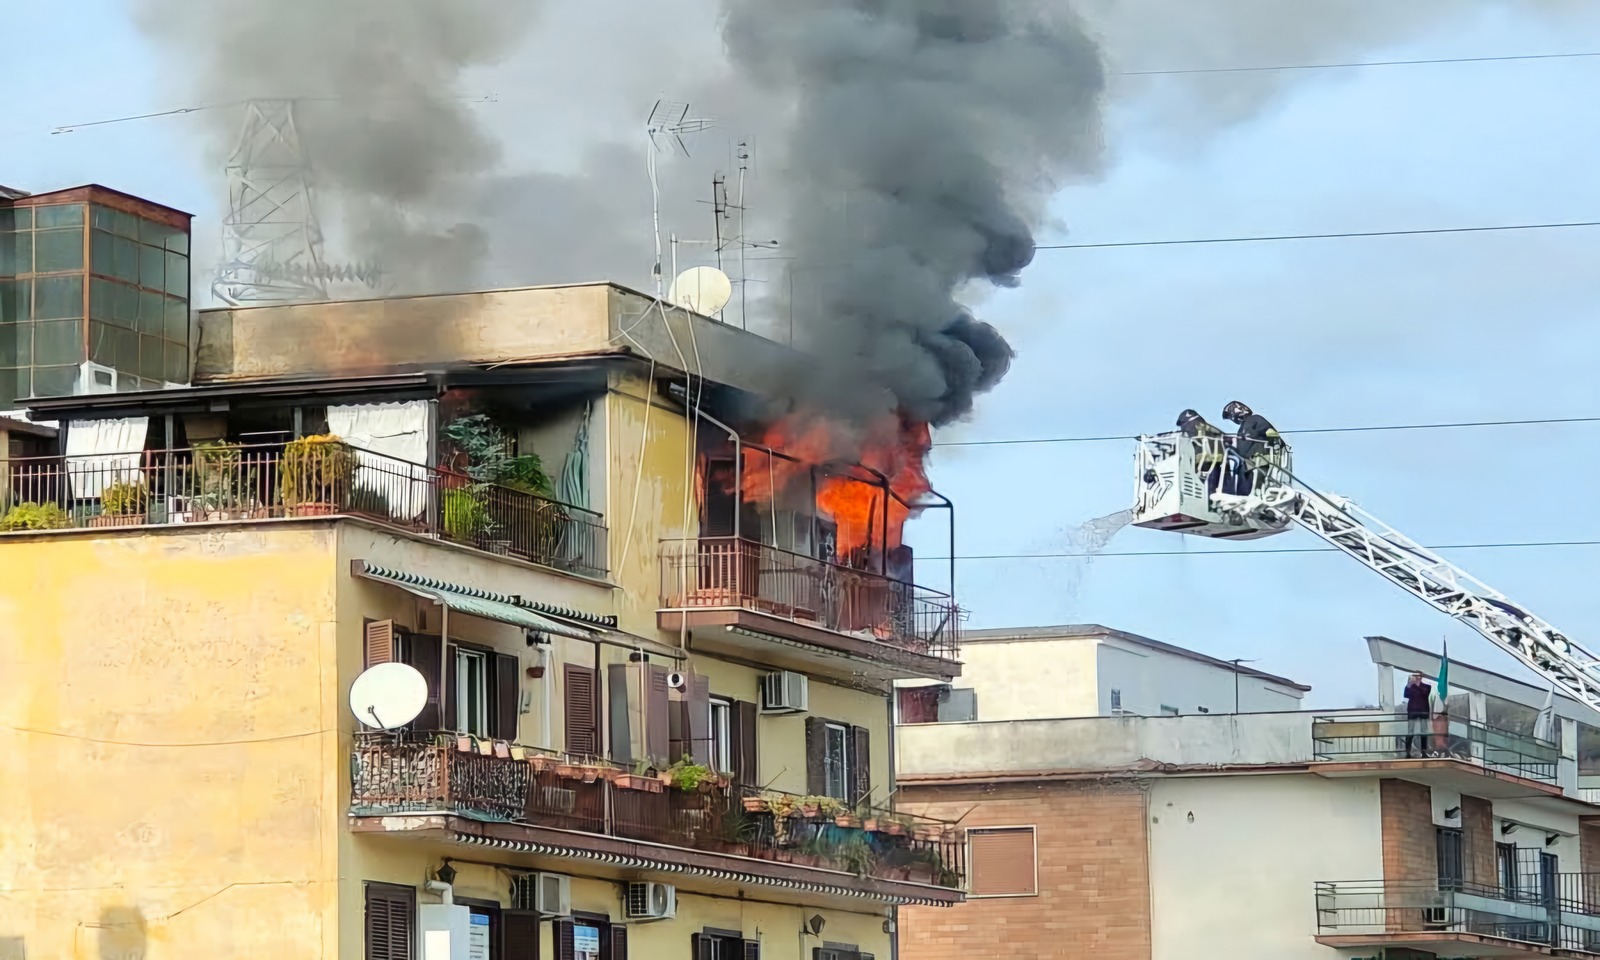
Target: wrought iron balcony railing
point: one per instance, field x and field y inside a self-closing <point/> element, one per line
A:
<point x="1562" y="912"/>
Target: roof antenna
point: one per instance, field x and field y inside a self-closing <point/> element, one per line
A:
<point x="666" y="125"/>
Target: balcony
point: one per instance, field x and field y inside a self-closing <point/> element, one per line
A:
<point x="1448" y="744"/>
<point x="1466" y="920"/>
<point x="224" y="483"/>
<point x="511" y="796"/>
<point x="722" y="584"/>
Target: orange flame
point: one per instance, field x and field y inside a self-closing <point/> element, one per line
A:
<point x="894" y="448"/>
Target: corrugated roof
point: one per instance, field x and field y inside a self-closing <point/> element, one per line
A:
<point x="478" y="603"/>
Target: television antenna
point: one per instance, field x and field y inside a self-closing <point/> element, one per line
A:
<point x="666" y="126"/>
<point x="388" y="695"/>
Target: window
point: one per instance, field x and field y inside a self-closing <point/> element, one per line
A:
<point x="958" y="705"/>
<point x="836" y="761"/>
<point x="1167" y="711"/>
<point x="839" y="951"/>
<point x="472" y="692"/>
<point x="587" y="937"/>
<point x="722" y="736"/>
<point x="391" y="922"/>
<point x="1451" y="866"/>
<point x="583" y="710"/>
<point x="1505" y="861"/>
<point x="712" y="944"/>
<point x="1116" y="700"/>
<point x="1001" y="862"/>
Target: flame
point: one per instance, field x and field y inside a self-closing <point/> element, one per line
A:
<point x="893" y="448"/>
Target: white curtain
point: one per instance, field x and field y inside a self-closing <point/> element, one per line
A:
<point x="103" y="452"/>
<point x="398" y="434"/>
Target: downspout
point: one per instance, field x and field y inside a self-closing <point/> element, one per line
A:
<point x="889" y="802"/>
<point x="447" y="895"/>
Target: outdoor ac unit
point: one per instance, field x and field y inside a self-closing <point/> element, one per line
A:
<point x="784" y="692"/>
<point x="96" y="378"/>
<point x="651" y="901"/>
<point x="549" y="894"/>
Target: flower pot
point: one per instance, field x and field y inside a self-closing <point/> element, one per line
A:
<point x="541" y="763"/>
<point x="117" y="520"/>
<point x="313" y="509"/>
<point x="808" y="809"/>
<point x="872" y="825"/>
<point x="569" y="771"/>
<point x="628" y="781"/>
<point x="755" y="805"/>
<point x="589" y="774"/>
<point x="464" y="744"/>
<point x="847" y="820"/>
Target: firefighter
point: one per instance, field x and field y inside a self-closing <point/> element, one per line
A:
<point x="1209" y="452"/>
<point x="1256" y="439"/>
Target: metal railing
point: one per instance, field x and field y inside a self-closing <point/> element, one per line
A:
<point x="256" y="482"/>
<point x="1357" y="737"/>
<point x="722" y="572"/>
<point x="444" y="773"/>
<point x="1565" y="914"/>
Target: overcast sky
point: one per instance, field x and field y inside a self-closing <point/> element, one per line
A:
<point x="1312" y="334"/>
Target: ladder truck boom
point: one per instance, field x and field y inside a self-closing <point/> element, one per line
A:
<point x="1192" y="485"/>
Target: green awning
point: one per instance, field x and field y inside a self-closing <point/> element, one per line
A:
<point x="472" y="602"/>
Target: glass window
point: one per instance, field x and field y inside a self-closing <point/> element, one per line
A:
<point x="58" y="215"/>
<point x="177" y="282"/>
<point x="153" y="233"/>
<point x="836" y="761"/>
<point x="127" y="349"/>
<point x="152" y="357"/>
<point x="102" y="218"/>
<point x="14" y="385"/>
<point x="152" y="313"/>
<point x="8" y="353"/>
<point x="102" y="344"/>
<point x="125" y="224"/>
<point x="15" y="300"/>
<point x="57" y="342"/>
<point x="54" y="381"/>
<point x="16" y="254"/>
<point x="721" y="751"/>
<point x="176" y="369"/>
<point x="125" y="305"/>
<point x="100" y="245"/>
<point x="56" y="251"/>
<point x="152" y="267"/>
<point x="22" y="338"/>
<point x="58" y="298"/>
<point x="102" y="298"/>
<point x="16" y="218"/>
<point x="177" y="320"/>
<point x="472" y="692"/>
<point x="178" y="242"/>
<point x="124" y="259"/>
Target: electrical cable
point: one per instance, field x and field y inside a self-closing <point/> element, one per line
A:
<point x="1352" y="234"/>
<point x="1377" y="428"/>
<point x="1354" y="64"/>
<point x="1509" y="545"/>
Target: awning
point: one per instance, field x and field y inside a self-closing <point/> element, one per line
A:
<point x="473" y="602"/>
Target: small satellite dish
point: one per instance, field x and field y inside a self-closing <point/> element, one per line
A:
<point x="677" y="681"/>
<point x="705" y="290"/>
<point x="388" y="695"/>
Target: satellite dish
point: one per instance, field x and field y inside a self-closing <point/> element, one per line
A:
<point x="705" y="290"/>
<point x="388" y="695"/>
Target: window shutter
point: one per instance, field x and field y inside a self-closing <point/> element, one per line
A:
<point x="507" y="696"/>
<point x="390" y="921"/>
<point x="619" y="942"/>
<point x="697" y="704"/>
<point x="860" y="764"/>
<point x="424" y="653"/>
<point x="583" y="728"/>
<point x="752" y="950"/>
<point x="702" y="947"/>
<point x="1001" y="861"/>
<point x="380" y="642"/>
<point x="657" y="717"/>
<point x="743" y="722"/>
<point x="566" y="943"/>
<point x="816" y="757"/>
<point x="521" y="934"/>
<point x="447" y="697"/>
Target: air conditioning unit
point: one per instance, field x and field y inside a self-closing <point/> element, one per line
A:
<point x="549" y="894"/>
<point x="96" y="378"/>
<point x="785" y="692"/>
<point x="651" y="901"/>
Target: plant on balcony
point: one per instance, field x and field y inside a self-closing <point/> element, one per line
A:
<point x="688" y="776"/>
<point x="123" y="503"/>
<point x="35" y="516"/>
<point x="223" y="486"/>
<point x="855" y="854"/>
<point x="315" y="475"/>
<point x="638" y="779"/>
<point x="536" y="521"/>
<point x="466" y="517"/>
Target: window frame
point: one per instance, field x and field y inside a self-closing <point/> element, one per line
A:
<point x="1033" y="834"/>
<point x="1116" y="699"/>
<point x="463" y="656"/>
<point x="829" y="728"/>
<point x="720" y="726"/>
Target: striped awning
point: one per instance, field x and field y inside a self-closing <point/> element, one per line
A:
<point x="473" y="602"/>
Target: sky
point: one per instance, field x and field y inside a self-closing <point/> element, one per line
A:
<point x="1323" y="333"/>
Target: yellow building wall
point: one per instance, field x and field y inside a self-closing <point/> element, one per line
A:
<point x="168" y="744"/>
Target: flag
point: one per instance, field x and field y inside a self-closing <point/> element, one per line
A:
<point x="1544" y="726"/>
<point x="1441" y="684"/>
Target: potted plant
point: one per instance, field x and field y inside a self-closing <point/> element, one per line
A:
<point x="535" y="522"/>
<point x="466" y="518"/>
<point x="35" y="516"/>
<point x="223" y="485"/>
<point x="755" y="804"/>
<point x="123" y="503"/>
<point x="639" y="779"/>
<point x="315" y="475"/>
<point x="689" y="777"/>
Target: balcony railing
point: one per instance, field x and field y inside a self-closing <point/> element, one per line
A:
<point x="1358" y="737"/>
<point x="447" y="774"/>
<point x="160" y="487"/>
<point x="1564" y="913"/>
<point x="723" y="572"/>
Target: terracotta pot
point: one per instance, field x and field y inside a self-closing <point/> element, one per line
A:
<point x="589" y="774"/>
<point x="313" y="509"/>
<point x="807" y="809"/>
<point x="847" y="820"/>
<point x="568" y="771"/>
<point x="755" y="805"/>
<point x="117" y="520"/>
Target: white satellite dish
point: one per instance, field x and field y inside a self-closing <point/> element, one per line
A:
<point x="388" y="695"/>
<point x="705" y="290"/>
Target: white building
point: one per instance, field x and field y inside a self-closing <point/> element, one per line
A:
<point x="1086" y="670"/>
<point x="1268" y="836"/>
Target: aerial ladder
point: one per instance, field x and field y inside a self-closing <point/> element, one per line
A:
<point x="1197" y="486"/>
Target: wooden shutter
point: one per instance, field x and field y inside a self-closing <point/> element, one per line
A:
<point x="425" y="653"/>
<point x="391" y="921"/>
<point x="521" y="934"/>
<point x="1000" y="861"/>
<point x="447" y="696"/>
<point x="742" y="720"/>
<point x="657" y="717"/>
<point x="619" y="942"/>
<point x="752" y="950"/>
<point x="566" y="945"/>
<point x="816" y="757"/>
<point x="507" y="696"/>
<point x="582" y="715"/>
<point x="697" y="707"/>
<point x="379" y="642"/>
<point x="860" y="772"/>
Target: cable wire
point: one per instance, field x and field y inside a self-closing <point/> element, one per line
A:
<point x="1378" y="428"/>
<point x="1358" y="63"/>
<point x="1272" y="238"/>
<point x="1509" y="545"/>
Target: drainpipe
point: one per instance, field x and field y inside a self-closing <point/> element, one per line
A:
<point x="444" y="890"/>
<point x="894" y="911"/>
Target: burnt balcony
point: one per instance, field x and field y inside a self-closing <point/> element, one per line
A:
<point x="1556" y="916"/>
<point x="473" y="791"/>
<point x="231" y="482"/>
<point x="1444" y="742"/>
<point x="715" y="585"/>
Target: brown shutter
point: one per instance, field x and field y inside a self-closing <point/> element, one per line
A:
<point x="619" y="942"/>
<point x="702" y="947"/>
<point x="657" y="717"/>
<point x="390" y="921"/>
<point x="816" y="757"/>
<point x="507" y="696"/>
<point x="697" y="707"/>
<point x="743" y="722"/>
<point x="447" y="696"/>
<point x="380" y="642"/>
<point x="521" y="934"/>
<point x="752" y="950"/>
<point x="1001" y="861"/>
<point x="424" y="653"/>
<point x="582" y="718"/>
<point x="860" y="773"/>
<point x="565" y="943"/>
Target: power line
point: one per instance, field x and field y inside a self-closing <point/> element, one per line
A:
<point x="1367" y="429"/>
<point x="1510" y="545"/>
<point x="1359" y="63"/>
<point x="1321" y="236"/>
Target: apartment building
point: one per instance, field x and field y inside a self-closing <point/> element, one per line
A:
<point x="1308" y="835"/>
<point x="658" y="707"/>
<point x="1088" y="670"/>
